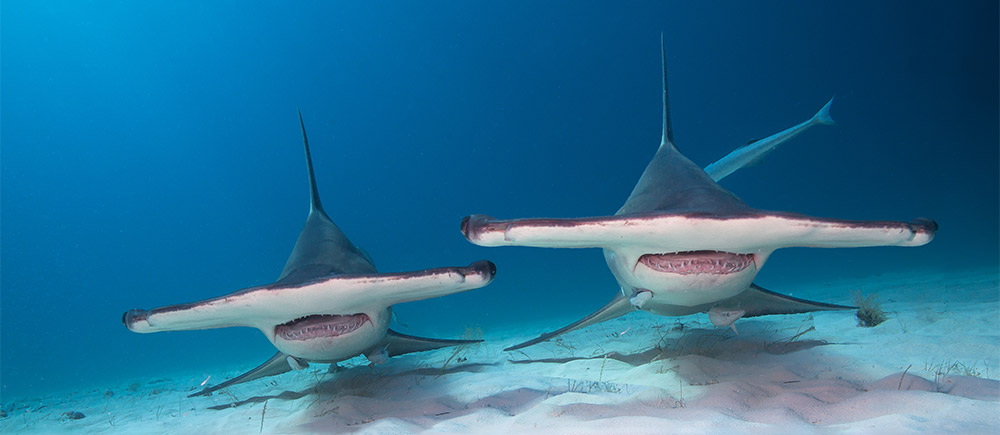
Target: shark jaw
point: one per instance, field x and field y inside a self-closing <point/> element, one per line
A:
<point x="685" y="278"/>
<point x="317" y="326"/>
<point x="697" y="262"/>
<point x="329" y="337"/>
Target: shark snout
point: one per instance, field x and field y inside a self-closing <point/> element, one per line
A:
<point x="924" y="225"/>
<point x="472" y="226"/>
<point x="131" y="316"/>
<point x="484" y="269"/>
<point x="465" y="226"/>
<point x="922" y="231"/>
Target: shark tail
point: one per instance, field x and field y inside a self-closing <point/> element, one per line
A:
<point x="823" y="116"/>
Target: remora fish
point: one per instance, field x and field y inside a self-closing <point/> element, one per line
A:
<point x="755" y="151"/>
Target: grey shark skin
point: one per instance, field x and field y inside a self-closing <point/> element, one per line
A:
<point x="329" y="304"/>
<point x="682" y="244"/>
<point x="755" y="151"/>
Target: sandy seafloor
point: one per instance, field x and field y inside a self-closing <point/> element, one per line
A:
<point x="636" y="374"/>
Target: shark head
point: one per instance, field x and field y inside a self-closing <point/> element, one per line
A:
<point x="324" y="319"/>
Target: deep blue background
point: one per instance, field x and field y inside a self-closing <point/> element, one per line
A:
<point x="151" y="152"/>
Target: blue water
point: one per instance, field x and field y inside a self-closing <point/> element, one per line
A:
<point x="151" y="152"/>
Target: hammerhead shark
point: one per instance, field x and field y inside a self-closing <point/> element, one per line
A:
<point x="682" y="244"/>
<point x="328" y="305"/>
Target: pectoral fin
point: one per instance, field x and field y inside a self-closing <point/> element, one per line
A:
<point x="277" y="365"/>
<point x="758" y="301"/>
<point x="619" y="306"/>
<point x="395" y="343"/>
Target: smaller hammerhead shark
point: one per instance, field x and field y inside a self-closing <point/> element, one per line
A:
<point x="328" y="305"/>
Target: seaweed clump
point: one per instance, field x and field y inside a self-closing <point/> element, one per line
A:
<point x="869" y="310"/>
<point x="472" y="333"/>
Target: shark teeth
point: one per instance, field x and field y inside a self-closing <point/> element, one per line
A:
<point x="697" y="262"/>
<point x="320" y="326"/>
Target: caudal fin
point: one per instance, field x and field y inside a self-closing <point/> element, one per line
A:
<point x="823" y="116"/>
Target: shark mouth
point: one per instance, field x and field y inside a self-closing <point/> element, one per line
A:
<point x="697" y="262"/>
<point x="320" y="326"/>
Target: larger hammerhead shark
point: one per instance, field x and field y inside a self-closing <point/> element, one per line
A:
<point x="329" y="304"/>
<point x="682" y="244"/>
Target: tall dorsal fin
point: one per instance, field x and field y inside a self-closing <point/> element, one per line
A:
<point x="322" y="249"/>
<point x="668" y="132"/>
<point x="314" y="203"/>
<point x="671" y="182"/>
